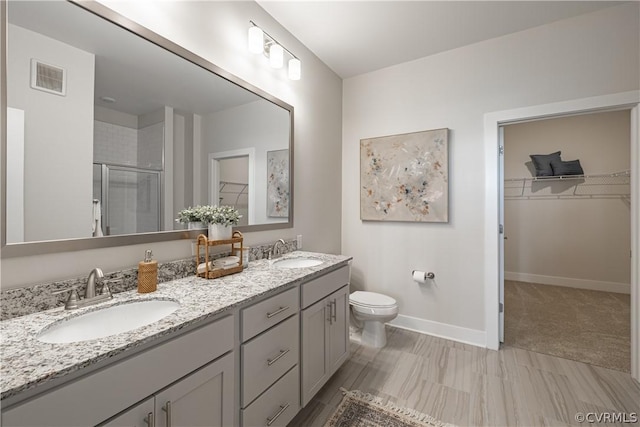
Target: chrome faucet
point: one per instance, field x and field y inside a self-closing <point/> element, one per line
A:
<point x="90" y="292"/>
<point x="273" y="251"/>
<point x="90" y="296"/>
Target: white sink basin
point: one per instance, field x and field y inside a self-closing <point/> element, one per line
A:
<point x="296" y="262"/>
<point x="107" y="321"/>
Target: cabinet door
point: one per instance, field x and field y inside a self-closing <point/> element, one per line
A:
<point x="205" y="398"/>
<point x="141" y="415"/>
<point x="338" y="337"/>
<point x="314" y="335"/>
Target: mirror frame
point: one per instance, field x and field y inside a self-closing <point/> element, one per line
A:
<point x="67" y="245"/>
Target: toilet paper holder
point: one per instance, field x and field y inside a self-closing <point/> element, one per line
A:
<point x="423" y="275"/>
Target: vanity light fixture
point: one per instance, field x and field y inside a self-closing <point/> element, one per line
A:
<point x="276" y="56"/>
<point x="260" y="41"/>
<point x="256" y="40"/>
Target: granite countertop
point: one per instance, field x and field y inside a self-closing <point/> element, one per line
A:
<point x="28" y="363"/>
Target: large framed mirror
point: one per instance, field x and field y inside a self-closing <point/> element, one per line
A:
<point x="112" y="130"/>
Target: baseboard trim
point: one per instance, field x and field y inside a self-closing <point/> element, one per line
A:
<point x="593" y="285"/>
<point x="441" y="330"/>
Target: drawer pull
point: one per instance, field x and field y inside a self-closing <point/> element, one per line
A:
<point x="275" y="417"/>
<point x="275" y="359"/>
<point x="278" y="311"/>
<point x="167" y="409"/>
<point x="334" y="310"/>
<point x="151" y="422"/>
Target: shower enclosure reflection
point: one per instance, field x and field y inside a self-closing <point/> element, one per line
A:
<point x="130" y="200"/>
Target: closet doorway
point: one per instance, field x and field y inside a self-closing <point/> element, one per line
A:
<point x="232" y="182"/>
<point x="567" y="269"/>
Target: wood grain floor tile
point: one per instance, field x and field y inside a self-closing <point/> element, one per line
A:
<point x="467" y="385"/>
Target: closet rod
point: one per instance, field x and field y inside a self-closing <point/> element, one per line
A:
<point x="621" y="174"/>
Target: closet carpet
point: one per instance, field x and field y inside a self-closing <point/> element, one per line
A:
<point x="587" y="326"/>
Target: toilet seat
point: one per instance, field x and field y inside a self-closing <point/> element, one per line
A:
<point x="365" y="299"/>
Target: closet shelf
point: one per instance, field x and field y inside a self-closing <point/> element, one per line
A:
<point x="612" y="185"/>
<point x="233" y="188"/>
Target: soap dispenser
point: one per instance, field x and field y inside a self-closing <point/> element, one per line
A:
<point x="147" y="274"/>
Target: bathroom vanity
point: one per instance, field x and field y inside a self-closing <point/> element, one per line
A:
<point x="247" y="349"/>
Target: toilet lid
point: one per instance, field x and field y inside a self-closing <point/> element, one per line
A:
<point x="371" y="299"/>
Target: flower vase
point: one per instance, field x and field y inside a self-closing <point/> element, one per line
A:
<point x="195" y="225"/>
<point x="220" y="232"/>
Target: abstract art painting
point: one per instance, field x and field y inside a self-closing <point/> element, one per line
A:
<point x="278" y="183"/>
<point x="405" y="177"/>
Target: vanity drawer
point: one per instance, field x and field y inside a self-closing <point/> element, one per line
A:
<point x="263" y="315"/>
<point x="267" y="357"/>
<point x="282" y="400"/>
<point x="319" y="288"/>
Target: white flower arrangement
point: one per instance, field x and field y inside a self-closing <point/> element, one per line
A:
<point x="189" y="215"/>
<point x="225" y="215"/>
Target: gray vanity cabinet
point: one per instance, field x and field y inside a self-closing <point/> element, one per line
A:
<point x="256" y="366"/>
<point x="325" y="330"/>
<point x="204" y="398"/>
<point x="270" y="392"/>
<point x="179" y="370"/>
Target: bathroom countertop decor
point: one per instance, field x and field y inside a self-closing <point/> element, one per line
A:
<point x="28" y="363"/>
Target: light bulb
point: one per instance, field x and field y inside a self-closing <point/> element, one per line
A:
<point x="276" y="56"/>
<point x="256" y="40"/>
<point x="294" y="69"/>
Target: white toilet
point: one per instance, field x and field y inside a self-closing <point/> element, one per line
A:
<point x="372" y="311"/>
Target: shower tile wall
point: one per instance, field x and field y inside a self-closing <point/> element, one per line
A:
<point x="150" y="142"/>
<point x="115" y="144"/>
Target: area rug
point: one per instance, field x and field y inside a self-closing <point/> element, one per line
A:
<point x="358" y="409"/>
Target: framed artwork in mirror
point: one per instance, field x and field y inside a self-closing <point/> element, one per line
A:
<point x="405" y="177"/>
<point x="278" y="183"/>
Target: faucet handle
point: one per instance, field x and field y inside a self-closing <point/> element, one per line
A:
<point x="105" y="290"/>
<point x="73" y="300"/>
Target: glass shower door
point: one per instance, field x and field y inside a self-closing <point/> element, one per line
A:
<point x="130" y="199"/>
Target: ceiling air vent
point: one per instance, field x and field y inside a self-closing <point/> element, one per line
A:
<point x="48" y="78"/>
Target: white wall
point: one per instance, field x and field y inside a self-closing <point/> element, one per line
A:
<point x="217" y="31"/>
<point x="570" y="241"/>
<point x="584" y="56"/>
<point x="70" y="118"/>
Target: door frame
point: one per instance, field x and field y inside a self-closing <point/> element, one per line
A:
<point x="214" y="177"/>
<point x="492" y="122"/>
